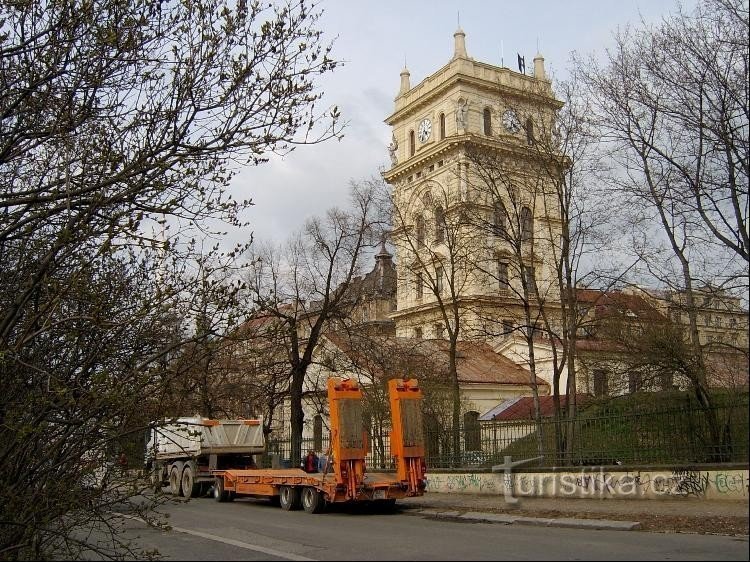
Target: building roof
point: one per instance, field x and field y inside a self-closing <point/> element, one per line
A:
<point x="610" y="303"/>
<point x="522" y="407"/>
<point x="476" y="362"/>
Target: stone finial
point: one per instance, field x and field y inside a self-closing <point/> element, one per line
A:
<point x="459" y="39"/>
<point x="539" y="73"/>
<point x="405" y="86"/>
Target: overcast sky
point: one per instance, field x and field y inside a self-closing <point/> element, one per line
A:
<point x="374" y="39"/>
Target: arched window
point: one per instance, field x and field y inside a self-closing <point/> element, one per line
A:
<point x="432" y="436"/>
<point x="527" y="224"/>
<point x="439" y="224"/>
<point x="420" y="231"/>
<point x="318" y="432"/>
<point x="529" y="131"/>
<point x="412" y="144"/>
<point x="487" y="121"/>
<point x="498" y="219"/>
<point x="442" y="126"/>
<point x="600" y="382"/>
<point x="472" y="433"/>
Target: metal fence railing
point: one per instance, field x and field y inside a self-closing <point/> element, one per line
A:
<point x="686" y="434"/>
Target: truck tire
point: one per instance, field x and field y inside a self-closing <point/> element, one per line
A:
<point x="312" y="500"/>
<point x="175" y="480"/>
<point x="220" y="494"/>
<point x="190" y="488"/>
<point x="289" y="498"/>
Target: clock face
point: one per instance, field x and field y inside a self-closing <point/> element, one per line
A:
<point x="425" y="128"/>
<point x="511" y="121"/>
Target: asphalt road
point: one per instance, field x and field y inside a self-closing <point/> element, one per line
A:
<point x="203" y="529"/>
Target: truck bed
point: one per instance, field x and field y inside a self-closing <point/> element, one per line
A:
<point x="266" y="482"/>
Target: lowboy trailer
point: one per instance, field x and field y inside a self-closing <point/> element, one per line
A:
<point x="346" y="478"/>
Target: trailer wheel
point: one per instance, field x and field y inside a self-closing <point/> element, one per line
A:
<point x="190" y="488"/>
<point x="289" y="498"/>
<point x="175" y="481"/>
<point x="220" y="494"/>
<point x="312" y="500"/>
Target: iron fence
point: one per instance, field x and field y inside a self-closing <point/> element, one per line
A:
<point x="686" y="434"/>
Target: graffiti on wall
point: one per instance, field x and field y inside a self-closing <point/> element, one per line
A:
<point x="678" y="482"/>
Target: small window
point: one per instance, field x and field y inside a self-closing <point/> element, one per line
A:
<point x="527" y="224"/>
<point x="439" y="225"/>
<point x="442" y="126"/>
<point x="634" y="382"/>
<point x="667" y="381"/>
<point x="498" y="219"/>
<point x="502" y="275"/>
<point x="507" y="327"/>
<point x="439" y="331"/>
<point x="487" y="121"/>
<point x="412" y="144"/>
<point x="439" y="281"/>
<point x="530" y="276"/>
<point x="418" y="333"/>
<point x="600" y="382"/>
<point x="419" y="285"/>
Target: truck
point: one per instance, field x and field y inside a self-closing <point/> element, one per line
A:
<point x="345" y="477"/>
<point x="184" y="452"/>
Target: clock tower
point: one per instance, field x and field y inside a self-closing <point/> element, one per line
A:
<point x="474" y="226"/>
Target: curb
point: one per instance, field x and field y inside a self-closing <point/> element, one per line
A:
<point x="565" y="522"/>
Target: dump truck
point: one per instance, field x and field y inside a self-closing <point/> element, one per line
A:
<point x="185" y="452"/>
<point x="345" y="477"/>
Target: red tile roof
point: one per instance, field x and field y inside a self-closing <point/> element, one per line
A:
<point x="477" y="363"/>
<point x="523" y="408"/>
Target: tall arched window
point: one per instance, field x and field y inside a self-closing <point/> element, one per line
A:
<point x="498" y="219"/>
<point x="432" y="435"/>
<point x="439" y="224"/>
<point x="487" y="121"/>
<point x="420" y="231"/>
<point x="472" y="433"/>
<point x="442" y="126"/>
<point x="318" y="432"/>
<point x="601" y="386"/>
<point x="412" y="144"/>
<point x="527" y="224"/>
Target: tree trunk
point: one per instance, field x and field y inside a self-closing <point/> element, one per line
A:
<point x="297" y="415"/>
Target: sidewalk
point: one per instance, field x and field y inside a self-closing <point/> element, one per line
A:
<point x="687" y="515"/>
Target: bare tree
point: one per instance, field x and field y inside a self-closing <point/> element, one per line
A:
<point x="672" y="103"/>
<point x="306" y="285"/>
<point x="116" y="116"/>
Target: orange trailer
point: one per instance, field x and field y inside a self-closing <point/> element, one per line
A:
<point x="348" y="479"/>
